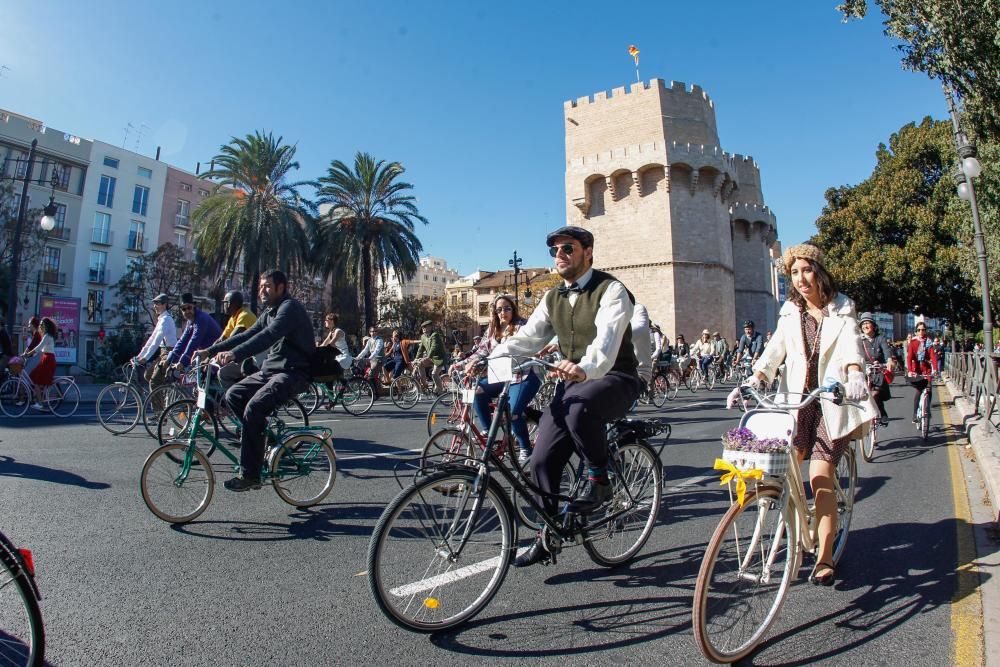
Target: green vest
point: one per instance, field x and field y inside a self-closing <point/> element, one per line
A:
<point x="574" y="325"/>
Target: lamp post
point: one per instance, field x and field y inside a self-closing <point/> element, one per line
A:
<point x="968" y="169"/>
<point x="47" y="223"/>
<point x="516" y="265"/>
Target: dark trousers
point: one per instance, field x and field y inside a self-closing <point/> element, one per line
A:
<point x="918" y="384"/>
<point x="577" y="421"/>
<point x="396" y="365"/>
<point x="253" y="399"/>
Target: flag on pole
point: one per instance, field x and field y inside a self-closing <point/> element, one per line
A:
<point x="634" y="52"/>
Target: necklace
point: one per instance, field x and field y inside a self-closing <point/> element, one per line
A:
<point x="814" y="348"/>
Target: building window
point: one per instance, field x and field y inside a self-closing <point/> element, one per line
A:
<point x="484" y="309"/>
<point x="186" y="187"/>
<point x="98" y="265"/>
<point x="102" y="229"/>
<point x="106" y="193"/>
<point x="60" y="176"/>
<point x="202" y="193"/>
<point x="16" y="206"/>
<point x="465" y="298"/>
<point x="140" y="199"/>
<point x="60" y="216"/>
<point x="21" y="162"/>
<point x="144" y="173"/>
<point x="110" y="162"/>
<point x="50" y="260"/>
<point x="136" y="235"/>
<point x="180" y="240"/>
<point x="183" y="208"/>
<point x="95" y="306"/>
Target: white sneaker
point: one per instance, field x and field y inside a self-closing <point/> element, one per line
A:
<point x="37" y="406"/>
<point x="523" y="455"/>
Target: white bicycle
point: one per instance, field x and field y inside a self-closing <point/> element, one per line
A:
<point x="61" y="398"/>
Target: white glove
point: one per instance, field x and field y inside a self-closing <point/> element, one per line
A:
<point x="736" y="397"/>
<point x="857" y="388"/>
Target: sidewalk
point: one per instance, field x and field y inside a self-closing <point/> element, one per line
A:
<point x="985" y="442"/>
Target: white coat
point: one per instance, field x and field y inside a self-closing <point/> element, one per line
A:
<point x="839" y="347"/>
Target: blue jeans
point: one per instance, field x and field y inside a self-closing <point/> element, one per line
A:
<point x="704" y="362"/>
<point x="520" y="395"/>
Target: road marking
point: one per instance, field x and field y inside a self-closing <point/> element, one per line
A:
<point x="692" y="481"/>
<point x="397" y="452"/>
<point x="430" y="583"/>
<point x="966" y="603"/>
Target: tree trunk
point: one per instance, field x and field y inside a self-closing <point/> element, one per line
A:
<point x="366" y="286"/>
<point x="254" y="292"/>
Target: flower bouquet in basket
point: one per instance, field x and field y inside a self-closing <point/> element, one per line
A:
<point x="748" y="452"/>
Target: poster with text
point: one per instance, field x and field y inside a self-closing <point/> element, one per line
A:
<point x="65" y="312"/>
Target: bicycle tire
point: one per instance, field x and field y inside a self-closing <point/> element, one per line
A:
<point x="925" y="414"/>
<point x="308" y="458"/>
<point x="294" y="409"/>
<point x="63" y="397"/>
<point x="733" y="562"/>
<point x="358" y="397"/>
<point x="526" y="514"/>
<point x="673" y="384"/>
<point x="15" y="397"/>
<point x="404" y="392"/>
<point x="544" y="395"/>
<point x="165" y="395"/>
<point x="450" y="588"/>
<point x="694" y="381"/>
<point x="661" y="385"/>
<point x="174" y="425"/>
<point x="710" y="379"/>
<point x="119" y="408"/>
<point x="22" y="637"/>
<point x="844" y="490"/>
<point x="160" y="482"/>
<point x="868" y="444"/>
<point x="449" y="446"/>
<point x="445" y="412"/>
<point x="310" y="398"/>
<point x="635" y="466"/>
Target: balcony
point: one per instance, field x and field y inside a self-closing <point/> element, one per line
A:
<point x="53" y="278"/>
<point x="136" y="242"/>
<point x="58" y="234"/>
<point x="182" y="221"/>
<point x="102" y="236"/>
<point x="97" y="276"/>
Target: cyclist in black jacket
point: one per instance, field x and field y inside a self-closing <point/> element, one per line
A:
<point x="285" y="330"/>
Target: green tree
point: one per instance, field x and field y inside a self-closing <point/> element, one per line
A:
<point x="895" y="241"/>
<point x="163" y="271"/>
<point x="956" y="41"/>
<point x="255" y="219"/>
<point x="368" y="230"/>
<point x="32" y="240"/>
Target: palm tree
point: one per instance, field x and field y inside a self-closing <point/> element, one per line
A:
<point x="368" y="230"/>
<point x="255" y="219"/>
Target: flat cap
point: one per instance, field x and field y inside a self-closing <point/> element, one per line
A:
<point x="585" y="238"/>
<point x="426" y="323"/>
<point x="161" y="298"/>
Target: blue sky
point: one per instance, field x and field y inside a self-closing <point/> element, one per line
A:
<point x="467" y="95"/>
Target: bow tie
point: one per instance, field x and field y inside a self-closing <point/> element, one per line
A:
<point x="564" y="290"/>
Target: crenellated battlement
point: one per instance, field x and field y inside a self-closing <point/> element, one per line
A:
<point x="753" y="213"/>
<point x="638" y="88"/>
<point x="646" y="151"/>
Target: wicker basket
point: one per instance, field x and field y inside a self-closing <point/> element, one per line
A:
<point x="774" y="464"/>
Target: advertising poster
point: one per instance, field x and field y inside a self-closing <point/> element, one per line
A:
<point x="65" y="312"/>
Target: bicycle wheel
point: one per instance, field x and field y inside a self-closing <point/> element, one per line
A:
<point x="620" y="529"/>
<point x="22" y="633"/>
<point x="293" y="409"/>
<point x="303" y="469"/>
<point x="544" y="395"/>
<point x="845" y="488"/>
<point x="310" y="398"/>
<point x="710" y="378"/>
<point x="744" y="576"/>
<point x="404" y="392"/>
<point x="175" y="427"/>
<point x="445" y="412"/>
<point x="171" y="493"/>
<point x="659" y="391"/>
<point x="868" y="444"/>
<point x="156" y="402"/>
<point x="436" y="558"/>
<point x="568" y="483"/>
<point x="694" y="381"/>
<point x="63" y="397"/>
<point x="925" y="413"/>
<point x="358" y="397"/>
<point x="673" y="385"/>
<point x="119" y="408"/>
<point x="448" y="446"/>
<point x="15" y="397"/>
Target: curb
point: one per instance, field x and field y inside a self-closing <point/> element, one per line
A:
<point x="985" y="443"/>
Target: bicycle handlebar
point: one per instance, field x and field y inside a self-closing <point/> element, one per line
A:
<point x="835" y="388"/>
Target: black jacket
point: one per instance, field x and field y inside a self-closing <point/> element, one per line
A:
<point x="285" y="331"/>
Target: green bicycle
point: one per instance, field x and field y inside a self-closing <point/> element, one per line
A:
<point x="177" y="480"/>
<point x="355" y="393"/>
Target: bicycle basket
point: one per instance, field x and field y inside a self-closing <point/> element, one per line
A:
<point x="761" y="441"/>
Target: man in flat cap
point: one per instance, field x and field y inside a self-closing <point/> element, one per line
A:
<point x="159" y="344"/>
<point x="590" y="316"/>
<point x="431" y="352"/>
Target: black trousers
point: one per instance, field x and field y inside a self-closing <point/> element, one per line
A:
<point x="253" y="399"/>
<point x="577" y="421"/>
<point x="918" y="383"/>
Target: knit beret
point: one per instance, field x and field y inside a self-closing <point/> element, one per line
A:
<point x="801" y="251"/>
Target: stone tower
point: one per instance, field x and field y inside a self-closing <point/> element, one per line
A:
<point x="681" y="222"/>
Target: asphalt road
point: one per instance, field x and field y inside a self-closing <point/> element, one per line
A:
<point x="255" y="580"/>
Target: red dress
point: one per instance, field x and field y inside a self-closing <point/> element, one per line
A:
<point x="45" y="371"/>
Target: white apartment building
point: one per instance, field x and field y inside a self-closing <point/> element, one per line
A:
<point x="119" y="221"/>
<point x="431" y="279"/>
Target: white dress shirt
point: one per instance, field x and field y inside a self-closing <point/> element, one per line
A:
<point x="641" y="342"/>
<point x="613" y="316"/>
<point x="164" y="334"/>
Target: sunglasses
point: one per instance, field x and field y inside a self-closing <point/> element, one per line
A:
<point x="567" y="249"/>
<point x="504" y="309"/>
<point x="921" y="329"/>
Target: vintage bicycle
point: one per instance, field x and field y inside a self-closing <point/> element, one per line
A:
<point x="22" y="633"/>
<point x="61" y="398"/>
<point x="413" y="386"/>
<point x="441" y="549"/>
<point x="354" y="392"/>
<point x="758" y="546"/>
<point x="923" y="416"/>
<point x="868" y="445"/>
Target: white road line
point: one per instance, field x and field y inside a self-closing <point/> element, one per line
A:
<point x="438" y="580"/>
<point x="693" y="481"/>
<point x="380" y="455"/>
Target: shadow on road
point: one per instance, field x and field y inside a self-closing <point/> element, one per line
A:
<point x="10" y="467"/>
<point x="321" y="523"/>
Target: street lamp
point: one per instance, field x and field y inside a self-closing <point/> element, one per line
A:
<point x="516" y="265"/>
<point x="968" y="169"/>
<point x="47" y="223"/>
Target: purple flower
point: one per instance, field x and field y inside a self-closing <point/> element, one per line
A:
<point x="743" y="439"/>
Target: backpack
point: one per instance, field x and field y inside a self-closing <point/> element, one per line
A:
<point x="324" y="366"/>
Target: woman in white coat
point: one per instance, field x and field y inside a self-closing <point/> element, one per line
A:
<point x="817" y="339"/>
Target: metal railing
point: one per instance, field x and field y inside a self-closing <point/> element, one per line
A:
<point x="975" y="373"/>
<point x="102" y="236"/>
<point x="59" y="234"/>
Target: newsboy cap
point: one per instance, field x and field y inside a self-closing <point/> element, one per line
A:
<point x="585" y="238"/>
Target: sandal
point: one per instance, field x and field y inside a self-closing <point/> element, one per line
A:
<point x="825" y="580"/>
